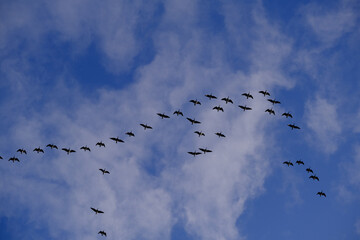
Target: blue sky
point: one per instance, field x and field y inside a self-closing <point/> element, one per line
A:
<point x="78" y="72"/>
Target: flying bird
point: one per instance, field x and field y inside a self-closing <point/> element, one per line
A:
<point x="1" y="157"/>
<point x="103" y="233"/>
<point x="321" y="193"/>
<point x="314" y="177"/>
<point x="52" y="146"/>
<point x="96" y="210"/>
<point x="178" y="112"/>
<point x="219" y="134"/>
<point x="195" y="102"/>
<point x="205" y="150"/>
<point x="270" y="111"/>
<point x="163" y="115"/>
<point x="38" y="150"/>
<point x="309" y="170"/>
<point x="13" y="159"/>
<point x="288" y="163"/>
<point x="145" y="126"/>
<point x="299" y="162"/>
<point x="210" y="96"/>
<point x="85" y="148"/>
<point x="130" y="134"/>
<point x="273" y="101"/>
<point x="104" y="171"/>
<point x="293" y="126"/>
<point x="264" y="93"/>
<point x="68" y="150"/>
<point x="21" y="151"/>
<point x="287" y="114"/>
<point x="218" y="108"/>
<point x="199" y="133"/>
<point x="100" y="144"/>
<point x="117" y="139"/>
<point x="247" y="95"/>
<point x="227" y="100"/>
<point x="193" y="121"/>
<point x="245" y="107"/>
<point x="194" y="153"/>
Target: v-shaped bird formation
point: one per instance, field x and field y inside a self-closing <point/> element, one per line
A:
<point x="194" y="152"/>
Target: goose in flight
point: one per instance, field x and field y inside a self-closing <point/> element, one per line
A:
<point x="195" y="102"/>
<point x="38" y="150"/>
<point x="293" y="126"/>
<point x="200" y="133"/>
<point x="102" y="233"/>
<point x="205" y="150"/>
<point x="68" y="150"/>
<point x="321" y="193"/>
<point x="163" y="115"/>
<point x="270" y="111"/>
<point x="288" y="163"/>
<point x="219" y="134"/>
<point x="314" y="177"/>
<point x="100" y="144"/>
<point x="13" y="159"/>
<point x="178" y="112"/>
<point x="264" y="93"/>
<point x="299" y="162"/>
<point x="273" y="101"/>
<point x="309" y="170"/>
<point x="85" y="148"/>
<point x="210" y="96"/>
<point x="287" y="114"/>
<point x="96" y="210"/>
<point x="247" y="95"/>
<point x="218" y="108"/>
<point x="245" y="107"/>
<point x="117" y="139"/>
<point x="194" y="153"/>
<point x="21" y="151"/>
<point x="227" y="100"/>
<point x="104" y="171"/>
<point x="130" y="134"/>
<point x="52" y="146"/>
<point x="193" y="121"/>
<point x="145" y="126"/>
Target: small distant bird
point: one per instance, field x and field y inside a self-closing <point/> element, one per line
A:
<point x="227" y="100"/>
<point x="205" y="150"/>
<point x="1" y="157"/>
<point x="288" y="163"/>
<point x="270" y="111"/>
<point x="245" y="107"/>
<point x="103" y="233"/>
<point x="264" y="93"/>
<point x="309" y="170"/>
<point x="100" y="144"/>
<point x="117" y="139"/>
<point x="38" y="150"/>
<point x="130" y="134"/>
<point x="13" y="159"/>
<point x="273" y="101"/>
<point x="85" y="148"/>
<point x="218" y="108"/>
<point x="321" y="193"/>
<point x="293" y="126"/>
<point x="96" y="210"/>
<point x="210" y="96"/>
<point x="194" y="153"/>
<point x="145" y="126"/>
<point x="195" y="102"/>
<point x="52" y="146"/>
<point x="299" y="162"/>
<point x="178" y="112"/>
<point x="219" y="134"/>
<point x="193" y="121"/>
<point x="287" y="114"/>
<point x="21" y="151"/>
<point x="104" y="171"/>
<point x="314" y="177"/>
<point x="199" y="133"/>
<point x="68" y="150"/>
<point x="247" y="95"/>
<point x="163" y="115"/>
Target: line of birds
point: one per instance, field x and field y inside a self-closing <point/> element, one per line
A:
<point x="192" y="121"/>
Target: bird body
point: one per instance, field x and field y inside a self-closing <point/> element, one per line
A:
<point x="195" y="102"/>
<point x="100" y="144"/>
<point x="199" y="133"/>
<point x="96" y="210"/>
<point x="117" y="139"/>
<point x="293" y="126"/>
<point x="299" y="162"/>
<point x="130" y="134"/>
<point x="194" y="153"/>
<point x="247" y="95"/>
<point x="219" y="134"/>
<point x="21" y="151"/>
<point x="193" y="121"/>
<point x="104" y="171"/>
<point x="321" y="193"/>
<point x="218" y="108"/>
<point x="13" y="159"/>
<point x="314" y="177"/>
<point x="309" y="170"/>
<point x="163" y="115"/>
<point x="270" y="111"/>
<point x="287" y="114"/>
<point x="52" y="146"/>
<point x="68" y="150"/>
<point x="102" y="233"/>
<point x="210" y="96"/>
<point x="245" y="107"/>
<point x="145" y="126"/>
<point x="178" y="112"/>
<point x="288" y="163"/>
<point x="264" y="93"/>
<point x="38" y="150"/>
<point x="227" y="100"/>
<point x="205" y="150"/>
<point x="273" y="101"/>
<point x="85" y="148"/>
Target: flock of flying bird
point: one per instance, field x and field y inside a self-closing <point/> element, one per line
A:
<point x="218" y="108"/>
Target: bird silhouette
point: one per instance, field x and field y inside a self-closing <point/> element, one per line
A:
<point x="321" y="193"/>
<point x="195" y="102"/>
<point x="288" y="163"/>
<point x="68" y="150"/>
<point x="193" y="121"/>
<point x="273" y="101"/>
<point x="1" y="157"/>
<point x="247" y="95"/>
<point x="178" y="112"/>
<point x="270" y="111"/>
<point x="227" y="100"/>
<point x="199" y="133"/>
<point x="52" y="146"/>
<point x="130" y="134"/>
<point x="38" y="150"/>
<point x="245" y="107"/>
<point x="219" y="134"/>
<point x="163" y="115"/>
<point x="21" y="151"/>
<point x="100" y="144"/>
<point x="293" y="126"/>
<point x="104" y="171"/>
<point x="264" y="93"/>
<point x="194" y="153"/>
<point x="102" y="233"/>
<point x="309" y="170"/>
<point x="117" y="139"/>
<point x="218" y="108"/>
<point x="314" y="177"/>
<point x="210" y="96"/>
<point x="13" y="159"/>
<point x="205" y="150"/>
<point x="145" y="126"/>
<point x="96" y="210"/>
<point x="299" y="162"/>
<point x="85" y="148"/>
<point x="287" y="114"/>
